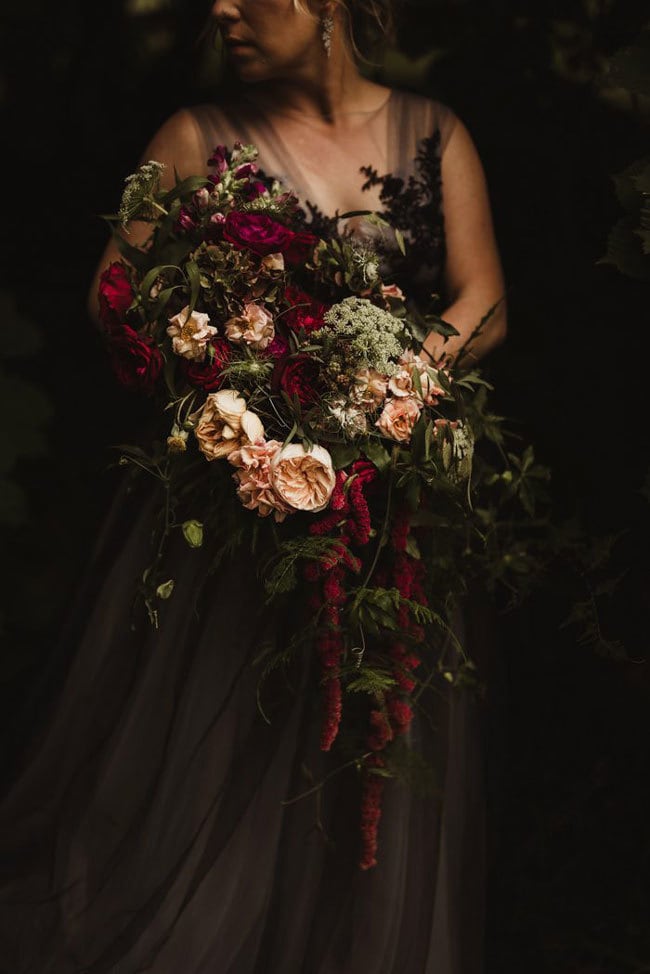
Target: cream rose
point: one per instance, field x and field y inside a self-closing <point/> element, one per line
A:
<point x="303" y="479"/>
<point x="224" y="424"/>
<point x="254" y="326"/>
<point x="253" y="478"/>
<point x="401" y="383"/>
<point x="369" y="388"/>
<point x="190" y="333"/>
<point x="398" y="418"/>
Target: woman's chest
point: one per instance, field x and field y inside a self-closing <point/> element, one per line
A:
<point x="325" y="167"/>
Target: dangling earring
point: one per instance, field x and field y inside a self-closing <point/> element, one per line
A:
<point x="326" y="31"/>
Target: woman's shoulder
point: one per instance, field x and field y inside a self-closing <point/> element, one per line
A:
<point x="423" y="115"/>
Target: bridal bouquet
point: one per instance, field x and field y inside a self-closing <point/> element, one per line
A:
<point x="284" y="364"/>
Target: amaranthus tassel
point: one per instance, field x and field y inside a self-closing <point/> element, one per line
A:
<point x="373" y="787"/>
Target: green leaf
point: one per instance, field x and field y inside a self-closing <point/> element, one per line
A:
<point x="412" y="547"/>
<point x="165" y="590"/>
<point x="343" y="454"/>
<point x="186" y="187"/>
<point x="134" y="255"/>
<point x="193" y="533"/>
<point x="194" y="276"/>
<point x="440" y="326"/>
<point x="376" y="453"/>
<point x="169" y="372"/>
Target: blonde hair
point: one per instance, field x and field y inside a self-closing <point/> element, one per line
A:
<point x="369" y="23"/>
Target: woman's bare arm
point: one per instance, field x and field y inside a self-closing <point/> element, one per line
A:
<point x="473" y="273"/>
<point x="177" y="144"/>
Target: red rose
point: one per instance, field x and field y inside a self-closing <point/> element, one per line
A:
<point x="299" y="378"/>
<point x="256" y="232"/>
<point x="304" y="312"/>
<point x="264" y="235"/>
<point x="300" y="247"/>
<point x="207" y="375"/>
<point x="136" y="362"/>
<point x="278" y="348"/>
<point x="115" y="293"/>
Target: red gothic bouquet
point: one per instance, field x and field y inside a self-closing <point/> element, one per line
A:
<point x="287" y="364"/>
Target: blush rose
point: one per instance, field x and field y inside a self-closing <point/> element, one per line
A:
<point x="303" y="479"/>
<point x="398" y="417"/>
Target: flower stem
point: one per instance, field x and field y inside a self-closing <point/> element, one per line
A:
<point x="384" y="528"/>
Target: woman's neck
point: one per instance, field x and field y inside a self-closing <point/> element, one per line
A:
<point x="341" y="93"/>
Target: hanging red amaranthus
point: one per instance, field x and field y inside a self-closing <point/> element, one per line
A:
<point x="349" y="519"/>
<point x="396" y="713"/>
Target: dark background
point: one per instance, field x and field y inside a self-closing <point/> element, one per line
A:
<point x="84" y="88"/>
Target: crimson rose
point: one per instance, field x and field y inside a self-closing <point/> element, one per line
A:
<point x="136" y="362"/>
<point x="300" y="247"/>
<point x="207" y="375"/>
<point x="299" y="378"/>
<point x="115" y="293"/>
<point x="264" y="235"/>
<point x="305" y="313"/>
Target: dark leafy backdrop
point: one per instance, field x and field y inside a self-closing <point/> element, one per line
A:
<point x="556" y="110"/>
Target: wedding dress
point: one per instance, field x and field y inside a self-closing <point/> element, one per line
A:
<point x="154" y="826"/>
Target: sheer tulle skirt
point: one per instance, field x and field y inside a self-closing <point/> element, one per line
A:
<point x="153" y="829"/>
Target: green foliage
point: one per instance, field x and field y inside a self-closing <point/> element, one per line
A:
<point x="370" y="680"/>
<point x="280" y="571"/>
<point x="376" y="609"/>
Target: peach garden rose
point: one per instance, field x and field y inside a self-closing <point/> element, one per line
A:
<point x="398" y="417"/>
<point x="303" y="479"/>
<point x="225" y="424"/>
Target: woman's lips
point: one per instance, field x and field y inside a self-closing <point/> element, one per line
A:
<point x="233" y="43"/>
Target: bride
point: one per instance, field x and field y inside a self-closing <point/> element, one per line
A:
<point x="151" y="828"/>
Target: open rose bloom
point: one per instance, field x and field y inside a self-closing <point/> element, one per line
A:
<point x="303" y="479"/>
<point x="225" y="424"/>
<point x="190" y="333"/>
<point x="254" y="326"/>
<point x="253" y="478"/>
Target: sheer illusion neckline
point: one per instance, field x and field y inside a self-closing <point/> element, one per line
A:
<point x="257" y="126"/>
<point x="365" y="114"/>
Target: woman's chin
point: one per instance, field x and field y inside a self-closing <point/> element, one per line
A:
<point x="246" y="64"/>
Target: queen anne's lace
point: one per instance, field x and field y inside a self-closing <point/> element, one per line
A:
<point x="357" y="334"/>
